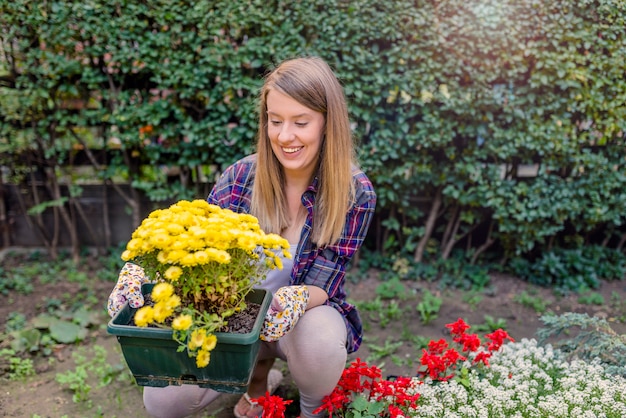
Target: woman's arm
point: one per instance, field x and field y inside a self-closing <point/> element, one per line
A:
<point x="317" y="297"/>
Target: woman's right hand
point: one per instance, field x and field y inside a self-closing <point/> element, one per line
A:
<point x="128" y="288"/>
<point x="288" y="305"/>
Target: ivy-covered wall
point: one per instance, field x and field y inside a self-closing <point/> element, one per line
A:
<point x="486" y="125"/>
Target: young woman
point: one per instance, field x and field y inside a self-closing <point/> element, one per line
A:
<point x="303" y="183"/>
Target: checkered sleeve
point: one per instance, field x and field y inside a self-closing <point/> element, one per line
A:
<point x="234" y="187"/>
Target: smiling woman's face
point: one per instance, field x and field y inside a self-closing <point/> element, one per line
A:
<point x="295" y="133"/>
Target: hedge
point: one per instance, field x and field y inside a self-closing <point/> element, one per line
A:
<point x="487" y="126"/>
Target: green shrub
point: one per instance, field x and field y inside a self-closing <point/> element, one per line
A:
<point x="485" y="125"/>
<point x="573" y="269"/>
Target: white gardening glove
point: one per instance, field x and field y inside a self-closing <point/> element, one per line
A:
<point x="288" y="305"/>
<point x="128" y="288"/>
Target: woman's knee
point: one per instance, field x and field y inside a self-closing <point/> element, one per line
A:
<point x="321" y="332"/>
<point x="316" y="349"/>
<point x="176" y="401"/>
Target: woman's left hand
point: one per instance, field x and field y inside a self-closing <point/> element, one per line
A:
<point x="288" y="305"/>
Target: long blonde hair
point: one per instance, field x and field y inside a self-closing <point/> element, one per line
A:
<point x="312" y="83"/>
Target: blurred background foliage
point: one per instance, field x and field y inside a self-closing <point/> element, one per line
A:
<point x="494" y="131"/>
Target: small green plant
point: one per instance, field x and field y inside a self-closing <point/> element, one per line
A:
<point x="364" y="408"/>
<point x="19" y="368"/>
<point x="379" y="351"/>
<point x="15" y="322"/>
<point x="391" y="289"/>
<point x="491" y="324"/>
<point x="380" y="311"/>
<point x="591" y="298"/>
<point x="15" y="281"/>
<point x="473" y="299"/>
<point x="532" y="300"/>
<point x="91" y="366"/>
<point x="429" y="307"/>
<point x="418" y="341"/>
<point x="392" y="312"/>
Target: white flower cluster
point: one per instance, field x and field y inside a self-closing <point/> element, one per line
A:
<point x="526" y="380"/>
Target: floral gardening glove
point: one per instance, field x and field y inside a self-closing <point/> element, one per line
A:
<point x="128" y="288"/>
<point x="288" y="305"/>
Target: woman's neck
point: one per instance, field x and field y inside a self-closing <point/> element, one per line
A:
<point x="297" y="212"/>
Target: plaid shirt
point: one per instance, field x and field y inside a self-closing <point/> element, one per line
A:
<point x="324" y="267"/>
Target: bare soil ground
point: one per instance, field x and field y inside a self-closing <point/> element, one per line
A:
<point x="392" y="346"/>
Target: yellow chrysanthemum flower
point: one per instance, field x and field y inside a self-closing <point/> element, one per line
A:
<point x="188" y="260"/>
<point x="173" y="273"/>
<point x="173" y="302"/>
<point x="182" y="322"/>
<point x="199" y="203"/>
<point x="161" y="239"/>
<point x="144" y="316"/>
<point x="155" y="213"/>
<point x="174" y="256"/>
<point x="203" y="358"/>
<point x="174" y="228"/>
<point x="162" y="291"/>
<point x="162" y="311"/>
<point x="201" y="257"/>
<point x="134" y="244"/>
<point x="197" y="231"/>
<point x="222" y="257"/>
<point x="196" y="339"/>
<point x="210" y="342"/>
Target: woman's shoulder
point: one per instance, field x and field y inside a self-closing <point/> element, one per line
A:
<point x="242" y="168"/>
<point x="363" y="187"/>
<point x="361" y="179"/>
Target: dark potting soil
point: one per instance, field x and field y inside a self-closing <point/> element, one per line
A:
<point x="238" y="323"/>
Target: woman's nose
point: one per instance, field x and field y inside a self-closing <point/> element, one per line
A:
<point x="286" y="132"/>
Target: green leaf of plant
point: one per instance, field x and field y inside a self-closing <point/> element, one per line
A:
<point x="67" y="332"/>
<point x="43" y="321"/>
<point x="85" y="317"/>
<point x="26" y="340"/>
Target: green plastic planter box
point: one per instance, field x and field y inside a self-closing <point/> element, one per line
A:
<point x="151" y="353"/>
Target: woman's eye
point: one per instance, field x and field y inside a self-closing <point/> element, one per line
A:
<point x="301" y="124"/>
<point x="275" y="122"/>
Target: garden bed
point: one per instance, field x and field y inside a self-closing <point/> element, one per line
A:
<point x="393" y="345"/>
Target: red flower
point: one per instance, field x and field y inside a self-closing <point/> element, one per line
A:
<point x="458" y="328"/>
<point x="470" y="342"/>
<point x="350" y="382"/>
<point x="483" y="357"/>
<point x="273" y="406"/>
<point x="395" y="412"/>
<point x="437" y="347"/>
<point x="497" y="339"/>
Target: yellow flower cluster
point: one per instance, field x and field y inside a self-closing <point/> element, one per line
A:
<point x="203" y="343"/>
<point x="205" y="259"/>
<point x="165" y="304"/>
<point x="197" y="233"/>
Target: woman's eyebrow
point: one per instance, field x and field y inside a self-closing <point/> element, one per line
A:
<point x="269" y="112"/>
